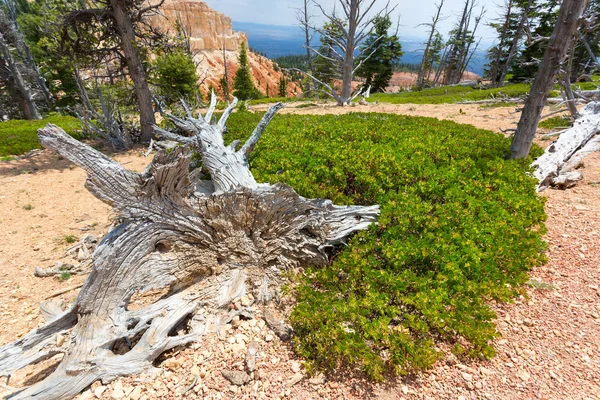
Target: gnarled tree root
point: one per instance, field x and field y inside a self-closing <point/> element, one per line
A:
<point x="207" y="241"/>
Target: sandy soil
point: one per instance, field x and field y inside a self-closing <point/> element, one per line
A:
<point x="550" y="347"/>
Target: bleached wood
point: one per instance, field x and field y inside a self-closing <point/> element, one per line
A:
<point x="556" y="155"/>
<point x="207" y="242"/>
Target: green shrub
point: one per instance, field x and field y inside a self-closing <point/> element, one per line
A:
<point x="451" y="94"/>
<point x="176" y="76"/>
<point x="20" y="136"/>
<point x="563" y="121"/>
<point x="459" y="226"/>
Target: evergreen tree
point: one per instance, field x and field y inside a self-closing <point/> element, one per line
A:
<point x="545" y="16"/>
<point x="325" y="60"/>
<point x="384" y="51"/>
<point x="511" y="29"/>
<point x="243" y="84"/>
<point x="283" y="87"/>
<point x="176" y="76"/>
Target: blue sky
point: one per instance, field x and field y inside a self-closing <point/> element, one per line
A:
<point x="411" y="12"/>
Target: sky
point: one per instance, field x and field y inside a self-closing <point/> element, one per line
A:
<point x="411" y="12"/>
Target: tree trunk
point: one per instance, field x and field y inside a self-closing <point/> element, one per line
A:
<point x="348" y="63"/>
<point x="550" y="164"/>
<point x="126" y="32"/>
<point x="424" y="71"/>
<point x="208" y="241"/>
<point x="558" y="47"/>
<point x="514" y="46"/>
<point x="20" y="93"/>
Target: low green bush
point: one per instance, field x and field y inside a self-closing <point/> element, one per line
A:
<point x="451" y="94"/>
<point x="556" y="122"/>
<point x="269" y="100"/>
<point x="20" y="136"/>
<point x="460" y="226"/>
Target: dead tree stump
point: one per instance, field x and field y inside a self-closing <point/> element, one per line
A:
<point x="209" y="241"/>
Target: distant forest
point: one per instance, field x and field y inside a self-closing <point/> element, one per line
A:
<point x="299" y="61"/>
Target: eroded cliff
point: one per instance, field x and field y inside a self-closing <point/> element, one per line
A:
<point x="214" y="43"/>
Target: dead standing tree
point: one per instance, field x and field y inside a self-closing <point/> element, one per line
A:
<point x="207" y="241"/>
<point x="559" y="45"/>
<point x="353" y="27"/>
<point x="429" y="55"/>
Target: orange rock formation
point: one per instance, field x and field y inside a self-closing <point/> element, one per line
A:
<point x="210" y="32"/>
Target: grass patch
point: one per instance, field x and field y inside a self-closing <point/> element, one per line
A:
<point x="460" y="225"/>
<point x="556" y="122"/>
<point x="20" y="136"/>
<point x="69" y="239"/>
<point x="269" y="100"/>
<point x="28" y="207"/>
<point x="451" y="94"/>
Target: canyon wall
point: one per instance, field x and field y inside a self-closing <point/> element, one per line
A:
<point x="212" y="40"/>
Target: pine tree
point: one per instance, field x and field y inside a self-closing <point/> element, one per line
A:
<point x="243" y="85"/>
<point x="511" y="29"/>
<point x="384" y="51"/>
<point x="527" y="64"/>
<point x="283" y="87"/>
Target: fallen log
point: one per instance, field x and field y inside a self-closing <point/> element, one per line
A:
<point x="550" y="164"/>
<point x="208" y="241"/>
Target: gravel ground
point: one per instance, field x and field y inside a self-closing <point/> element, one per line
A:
<point x="549" y="349"/>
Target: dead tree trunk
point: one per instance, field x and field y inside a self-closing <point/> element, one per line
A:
<point x="427" y="62"/>
<point x="570" y="148"/>
<point x="16" y="83"/>
<point x="558" y="47"/>
<point x="127" y="37"/>
<point x="208" y="241"/>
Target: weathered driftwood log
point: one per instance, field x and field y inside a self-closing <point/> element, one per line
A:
<point x="550" y="164"/>
<point x="207" y="241"/>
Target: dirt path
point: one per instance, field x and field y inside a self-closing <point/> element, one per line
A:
<point x="476" y="115"/>
<point x="550" y="345"/>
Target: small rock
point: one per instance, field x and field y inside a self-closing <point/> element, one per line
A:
<point x="296" y="366"/>
<point x="238" y="378"/>
<point x="317" y="380"/>
<point x="87" y="395"/>
<point x="404" y="389"/>
<point x="269" y="338"/>
<point x="467" y="377"/>
<point x="99" y="390"/>
<point x="280" y="328"/>
<point x="195" y="370"/>
<point x="245" y="301"/>
<point x="524" y="375"/>
<point x="118" y="392"/>
<point x="295" y="379"/>
<point x="136" y="394"/>
<point x="235" y="322"/>
<point x="172" y="364"/>
<point x="60" y="340"/>
<point x="251" y="356"/>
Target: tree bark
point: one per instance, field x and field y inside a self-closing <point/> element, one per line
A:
<point x="20" y="93"/>
<point x="208" y="241"/>
<point x="558" y="47"/>
<point x="557" y="155"/>
<point x="126" y="32"/>
<point x="426" y="63"/>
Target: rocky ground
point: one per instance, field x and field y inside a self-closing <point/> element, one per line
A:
<point x="549" y="349"/>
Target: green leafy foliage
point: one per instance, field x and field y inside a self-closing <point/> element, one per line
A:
<point x="556" y="122"/>
<point x="451" y="94"/>
<point x="459" y="226"/>
<point x="20" y="136"/>
<point x="176" y="76"/>
<point x="379" y="53"/>
<point x="243" y="84"/>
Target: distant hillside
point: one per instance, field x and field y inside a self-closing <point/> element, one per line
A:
<point x="276" y="41"/>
